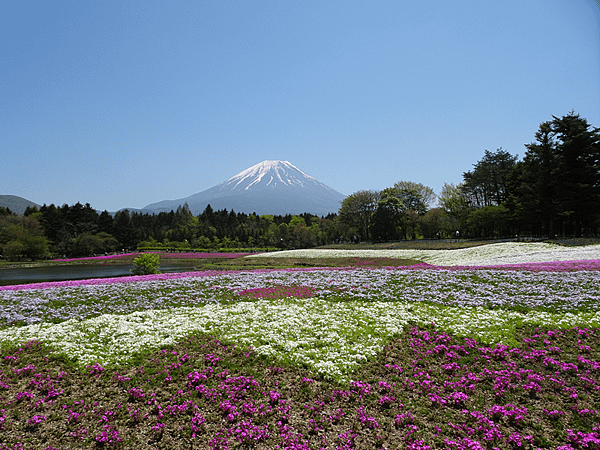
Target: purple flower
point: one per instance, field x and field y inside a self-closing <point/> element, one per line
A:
<point x="36" y="419"/>
<point x="109" y="435"/>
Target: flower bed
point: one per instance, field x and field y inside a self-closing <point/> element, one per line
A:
<point x="103" y="322"/>
<point x="100" y="258"/>
<point x="422" y="357"/>
<point x="426" y="389"/>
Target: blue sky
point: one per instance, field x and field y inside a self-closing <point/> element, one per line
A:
<point x="124" y="103"/>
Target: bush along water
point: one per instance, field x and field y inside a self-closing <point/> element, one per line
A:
<point x="146" y="264"/>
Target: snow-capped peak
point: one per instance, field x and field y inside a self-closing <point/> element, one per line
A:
<point x="269" y="187"/>
<point x="273" y="172"/>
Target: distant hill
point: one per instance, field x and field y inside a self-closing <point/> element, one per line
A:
<point x="16" y="204"/>
<point x="270" y="187"/>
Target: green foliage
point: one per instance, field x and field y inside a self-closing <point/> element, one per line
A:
<point x="454" y="203"/>
<point x="22" y="237"/>
<point x="487" y="183"/>
<point x="146" y="264"/>
<point x="357" y="211"/>
<point x="488" y="221"/>
<point x="388" y="216"/>
<point x="86" y="244"/>
<point x="557" y="186"/>
<point x="415" y="196"/>
<point x="12" y="250"/>
<point x="432" y="223"/>
<point x="400" y="210"/>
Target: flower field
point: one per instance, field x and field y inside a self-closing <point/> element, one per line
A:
<point x="444" y="355"/>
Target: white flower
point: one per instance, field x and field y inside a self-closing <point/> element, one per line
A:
<point x="484" y="255"/>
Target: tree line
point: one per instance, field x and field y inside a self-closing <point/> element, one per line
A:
<point x="79" y="230"/>
<point x="554" y="189"/>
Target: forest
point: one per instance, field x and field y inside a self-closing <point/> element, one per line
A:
<point x="554" y="190"/>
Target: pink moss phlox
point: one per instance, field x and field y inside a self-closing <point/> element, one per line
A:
<point x="191" y="255"/>
<point x="197" y="424"/>
<point x="242" y="403"/>
<point x="99" y="258"/>
<point x="554" y="266"/>
<point x="366" y="420"/>
<point x="582" y="440"/>
<point x="36" y="419"/>
<point x="278" y="292"/>
<point x="109" y="435"/>
<point x="95" y="369"/>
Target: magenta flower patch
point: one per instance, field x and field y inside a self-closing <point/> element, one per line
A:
<point x="278" y="292"/>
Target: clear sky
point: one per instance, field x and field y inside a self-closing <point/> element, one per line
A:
<point x="124" y="103"/>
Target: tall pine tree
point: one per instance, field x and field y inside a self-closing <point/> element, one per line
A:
<point x="559" y="178"/>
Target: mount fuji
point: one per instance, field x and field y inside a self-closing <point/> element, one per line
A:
<point x="269" y="187"/>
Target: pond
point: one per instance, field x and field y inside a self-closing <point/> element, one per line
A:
<point x="26" y="275"/>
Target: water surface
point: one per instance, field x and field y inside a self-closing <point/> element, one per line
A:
<point x="27" y="275"/>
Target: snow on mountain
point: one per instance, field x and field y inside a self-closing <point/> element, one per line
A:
<point x="268" y="169"/>
<point x="269" y="187"/>
<point x="272" y="175"/>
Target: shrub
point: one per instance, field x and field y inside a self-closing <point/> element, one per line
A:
<point x="146" y="264"/>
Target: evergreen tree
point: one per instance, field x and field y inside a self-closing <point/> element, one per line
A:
<point x="558" y="183"/>
<point x="486" y="184"/>
<point x="106" y="223"/>
<point x="124" y="231"/>
<point x="52" y="222"/>
<point x="539" y="172"/>
<point x="578" y="180"/>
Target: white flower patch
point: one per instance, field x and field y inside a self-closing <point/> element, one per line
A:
<point x="519" y="253"/>
<point x="331" y="338"/>
<point x="330" y="253"/>
<point x="484" y="255"/>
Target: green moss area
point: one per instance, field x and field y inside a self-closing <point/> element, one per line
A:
<point x="425" y="388"/>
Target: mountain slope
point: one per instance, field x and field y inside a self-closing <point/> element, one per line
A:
<point x="16" y="204"/>
<point x="270" y="187"/>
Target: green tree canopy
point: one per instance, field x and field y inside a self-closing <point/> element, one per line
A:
<point x="357" y="210"/>
<point x="388" y="216"/>
<point x="557" y="185"/>
<point x="487" y="183"/>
